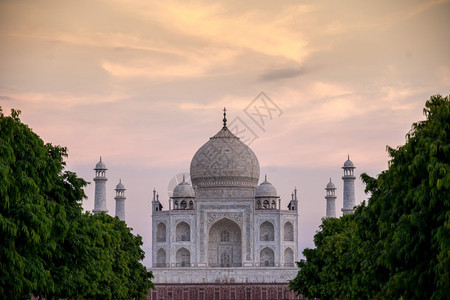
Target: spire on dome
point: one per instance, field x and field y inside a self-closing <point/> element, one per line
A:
<point x="224" y="118"/>
<point x="265" y="177"/>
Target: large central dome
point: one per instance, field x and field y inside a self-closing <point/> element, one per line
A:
<point x="224" y="161"/>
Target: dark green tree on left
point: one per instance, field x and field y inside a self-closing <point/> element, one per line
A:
<point x="48" y="246"/>
<point x="34" y="191"/>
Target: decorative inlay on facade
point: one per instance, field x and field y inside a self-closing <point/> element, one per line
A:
<point x="262" y="219"/>
<point x="237" y="217"/>
<point x="224" y="193"/>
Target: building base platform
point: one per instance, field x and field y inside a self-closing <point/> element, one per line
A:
<point x="224" y="275"/>
<point x="222" y="291"/>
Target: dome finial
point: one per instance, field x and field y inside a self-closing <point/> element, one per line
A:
<point x="183" y="178"/>
<point x="224" y="118"/>
<point x="265" y="177"/>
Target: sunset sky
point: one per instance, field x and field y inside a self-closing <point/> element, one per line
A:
<point x="143" y="84"/>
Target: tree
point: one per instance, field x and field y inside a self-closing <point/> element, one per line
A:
<point x="324" y="272"/>
<point x="398" y="245"/>
<point x="104" y="261"/>
<point x="48" y="246"/>
<point x="32" y="219"/>
<point x="338" y="266"/>
<point x="412" y="204"/>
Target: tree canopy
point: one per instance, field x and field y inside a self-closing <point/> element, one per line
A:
<point x="48" y="246"/>
<point x="398" y="244"/>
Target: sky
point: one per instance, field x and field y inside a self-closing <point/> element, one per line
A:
<point x="143" y="85"/>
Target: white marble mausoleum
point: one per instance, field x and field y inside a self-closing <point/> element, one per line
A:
<point x="224" y="227"/>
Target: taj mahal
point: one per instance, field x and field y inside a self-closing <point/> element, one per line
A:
<point x="224" y="227"/>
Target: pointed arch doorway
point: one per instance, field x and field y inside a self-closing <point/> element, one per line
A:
<point x="225" y="244"/>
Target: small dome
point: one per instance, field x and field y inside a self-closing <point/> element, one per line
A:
<point x="331" y="185"/>
<point x="349" y="163"/>
<point x="100" y="165"/>
<point x="183" y="190"/>
<point x="120" y="186"/>
<point x="266" y="189"/>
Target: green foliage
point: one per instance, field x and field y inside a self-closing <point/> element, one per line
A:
<point x="48" y="246"/>
<point x="411" y="200"/>
<point x="30" y="173"/>
<point x="398" y="245"/>
<point x="104" y="259"/>
<point x="322" y="274"/>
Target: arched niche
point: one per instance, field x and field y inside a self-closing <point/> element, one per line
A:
<point x="267" y="258"/>
<point x="183" y="258"/>
<point x="288" y="231"/>
<point x="266" y="232"/>
<point x="161" y="258"/>
<point x="288" y="257"/>
<point x="161" y="232"/>
<point x="225" y="244"/>
<point x="183" y="232"/>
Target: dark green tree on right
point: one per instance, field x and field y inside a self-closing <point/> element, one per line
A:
<point x="398" y="244"/>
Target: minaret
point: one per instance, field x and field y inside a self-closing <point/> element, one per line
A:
<point x="120" y="200"/>
<point x="100" y="187"/>
<point x="349" y="187"/>
<point x="331" y="200"/>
